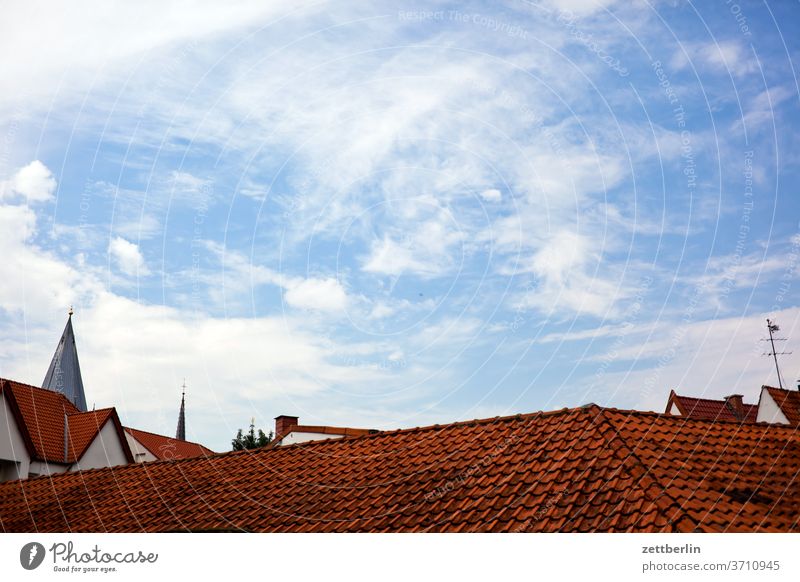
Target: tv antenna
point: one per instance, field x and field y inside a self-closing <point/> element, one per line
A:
<point x="773" y="327"/>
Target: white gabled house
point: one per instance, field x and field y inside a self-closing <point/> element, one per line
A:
<point x="48" y="430"/>
<point x="42" y="432"/>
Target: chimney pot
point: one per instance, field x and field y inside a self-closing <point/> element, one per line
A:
<point x="734" y="402"/>
<point x="284" y="424"/>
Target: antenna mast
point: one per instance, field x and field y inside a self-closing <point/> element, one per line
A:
<point x="771" y="327"/>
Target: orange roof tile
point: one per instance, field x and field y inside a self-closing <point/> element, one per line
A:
<point x="165" y="448"/>
<point x="710" y="409"/>
<point x="789" y="403"/>
<point x="586" y="469"/>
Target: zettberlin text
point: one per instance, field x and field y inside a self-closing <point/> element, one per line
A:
<point x="665" y="549"/>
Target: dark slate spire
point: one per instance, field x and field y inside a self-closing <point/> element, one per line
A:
<point x="64" y="374"/>
<point x="180" y="434"/>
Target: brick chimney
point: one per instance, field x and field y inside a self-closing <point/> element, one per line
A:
<point x="735" y="404"/>
<point x="284" y="424"/>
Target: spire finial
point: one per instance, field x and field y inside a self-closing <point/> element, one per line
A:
<point x="71" y="311"/>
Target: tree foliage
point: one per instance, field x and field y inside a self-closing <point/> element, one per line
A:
<point x="249" y="439"/>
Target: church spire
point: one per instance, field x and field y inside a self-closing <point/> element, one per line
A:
<point x="180" y="434"/>
<point x="64" y="374"/>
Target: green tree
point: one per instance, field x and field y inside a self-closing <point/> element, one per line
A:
<point x="251" y="440"/>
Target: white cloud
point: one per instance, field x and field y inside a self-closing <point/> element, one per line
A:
<point x="420" y="239"/>
<point x="388" y="257"/>
<point x="492" y="195"/>
<point x="381" y="310"/>
<point x="579" y="7"/>
<point x="762" y="109"/>
<point x="34" y="182"/>
<point x="319" y="294"/>
<point x="35" y="282"/>
<point x="89" y="35"/>
<point x="729" y="56"/>
<point x="128" y="257"/>
<point x="569" y="278"/>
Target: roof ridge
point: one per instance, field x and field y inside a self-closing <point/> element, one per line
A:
<point x="720" y="401"/>
<point x="107" y="409"/>
<point x="25" y="384"/>
<point x="165" y="436"/>
<point x="449" y="425"/>
<point x="633" y="459"/>
<point x="40" y="389"/>
<point x="296" y="426"/>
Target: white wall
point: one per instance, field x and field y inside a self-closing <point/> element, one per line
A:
<point x="105" y="451"/>
<point x="12" y="445"/>
<point x="140" y="453"/>
<point x="301" y="437"/>
<point x="769" y="411"/>
<point x="42" y="468"/>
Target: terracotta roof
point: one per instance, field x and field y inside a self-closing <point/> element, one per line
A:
<point x="788" y="401"/>
<point x="343" y="431"/>
<point x="40" y="414"/>
<point x="710" y="409"/>
<point x="586" y="469"/>
<point x="166" y="448"/>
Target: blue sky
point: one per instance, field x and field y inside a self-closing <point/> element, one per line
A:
<point x="394" y="215"/>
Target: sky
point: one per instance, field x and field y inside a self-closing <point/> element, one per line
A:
<point x="396" y="214"/>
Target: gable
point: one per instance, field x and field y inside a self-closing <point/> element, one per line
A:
<point x="105" y="450"/>
<point x="779" y="406"/>
<point x="140" y="452"/>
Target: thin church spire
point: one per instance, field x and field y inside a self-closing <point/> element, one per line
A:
<point x="180" y="434"/>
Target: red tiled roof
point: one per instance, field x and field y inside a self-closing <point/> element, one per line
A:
<point x="710" y="409"/>
<point x="165" y="448"/>
<point x="789" y="403"/>
<point x="41" y="418"/>
<point x="586" y="469"/>
<point x="42" y="415"/>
